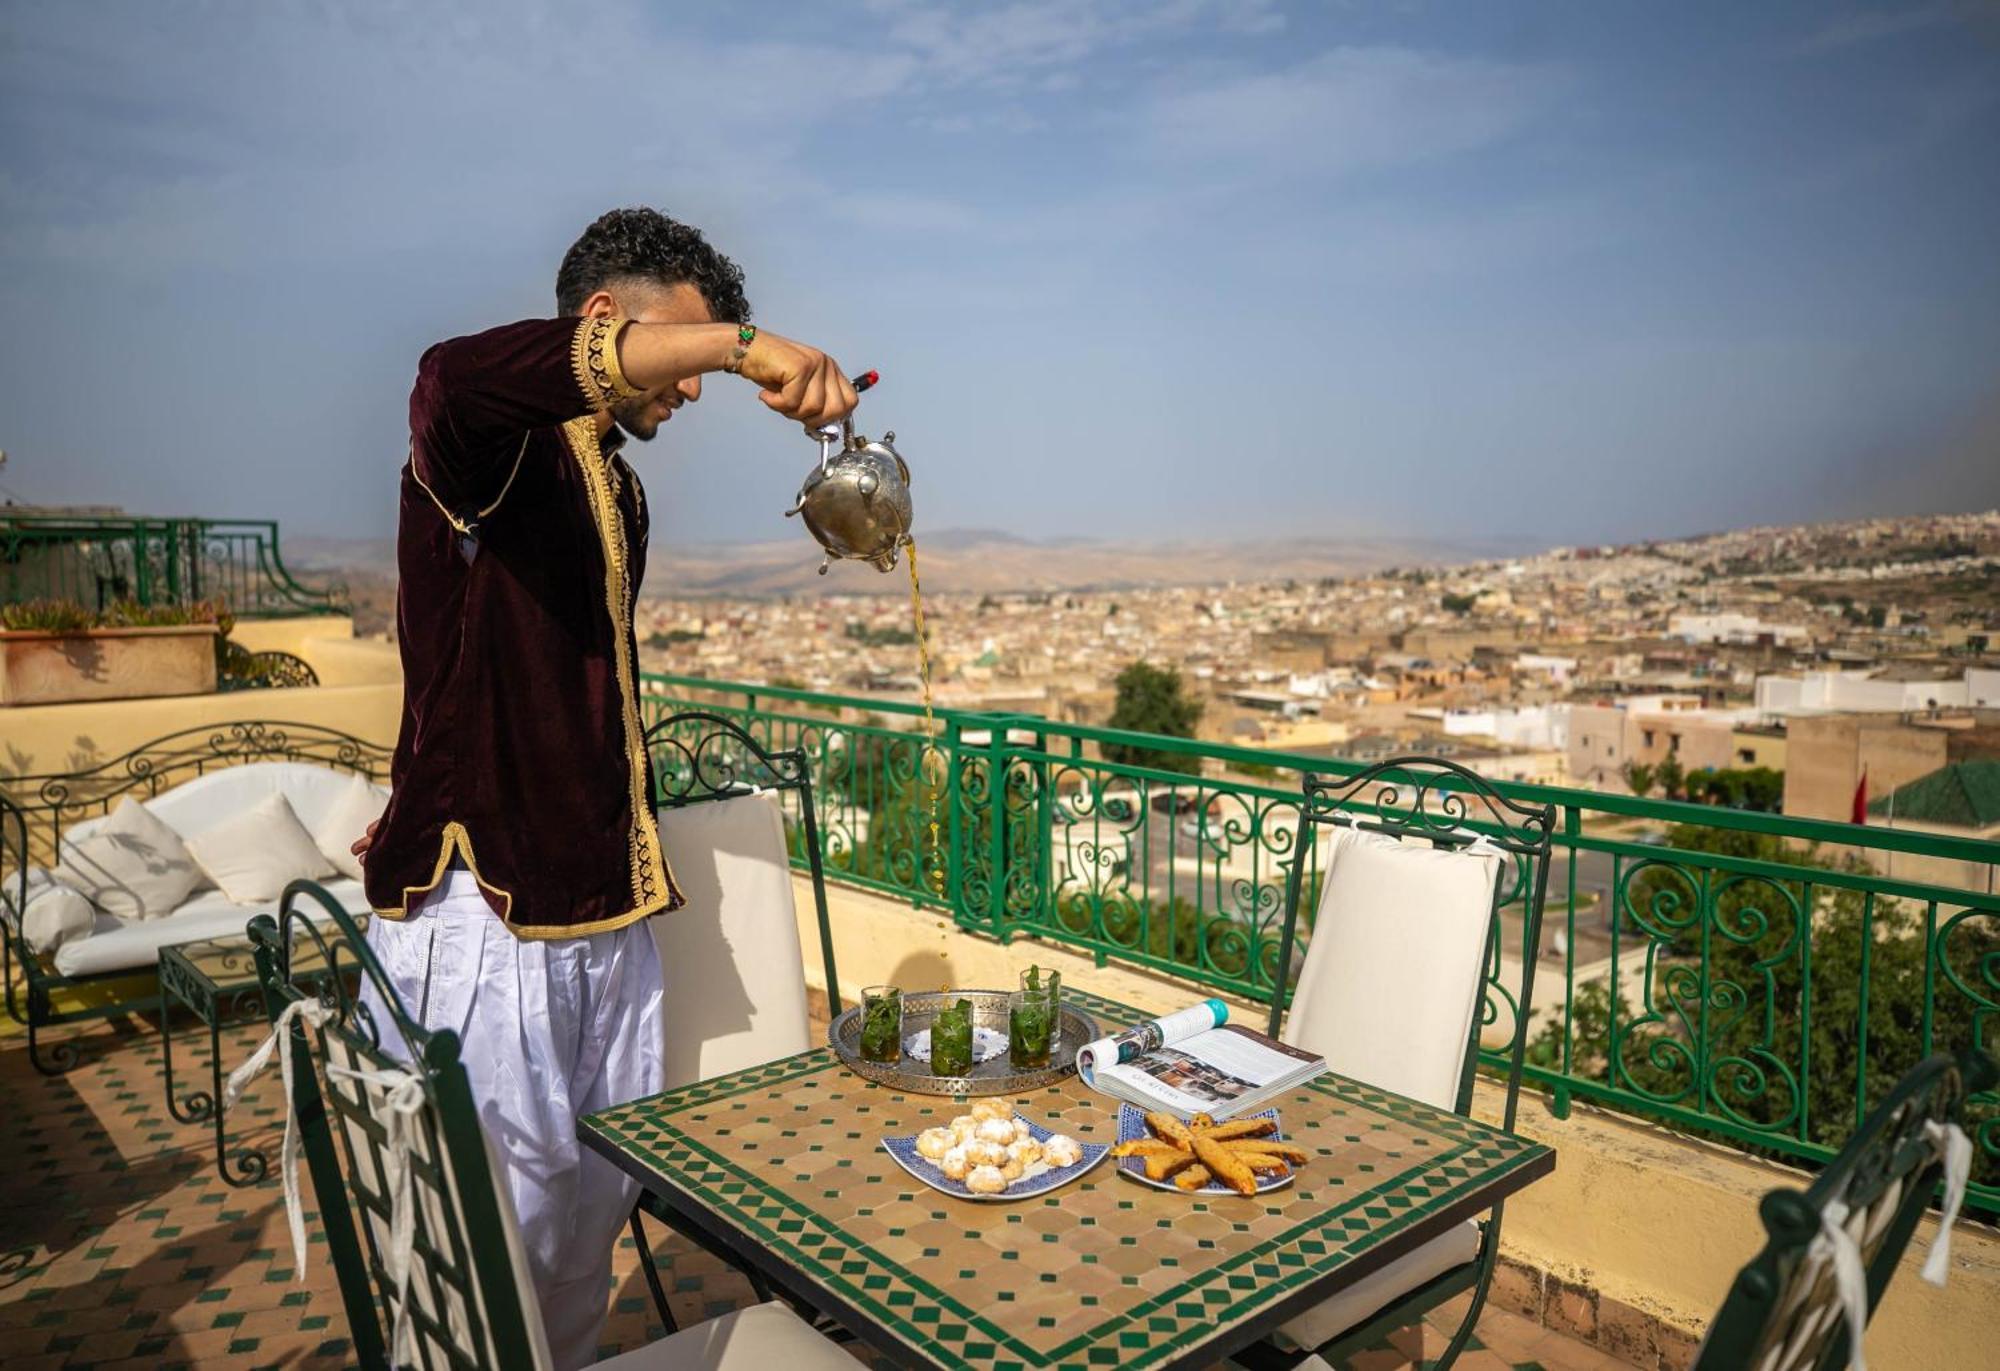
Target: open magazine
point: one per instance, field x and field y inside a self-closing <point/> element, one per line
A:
<point x="1195" y="1062"/>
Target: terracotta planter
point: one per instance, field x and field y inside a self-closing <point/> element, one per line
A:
<point x="106" y="664"/>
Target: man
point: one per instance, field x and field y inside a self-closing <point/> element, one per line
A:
<point x="518" y="857"/>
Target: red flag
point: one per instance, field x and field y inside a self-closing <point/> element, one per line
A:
<point x="1861" y="799"/>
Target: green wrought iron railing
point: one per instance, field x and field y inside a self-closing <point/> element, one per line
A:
<point x="96" y="560"/>
<point x="1751" y="977"/>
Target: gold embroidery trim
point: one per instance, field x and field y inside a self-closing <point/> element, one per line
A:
<point x="456" y="838"/>
<point x="653" y="886"/>
<point x="593" y="356"/>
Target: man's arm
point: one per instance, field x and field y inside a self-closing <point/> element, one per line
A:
<point x="797" y="381"/>
<point x="476" y="396"/>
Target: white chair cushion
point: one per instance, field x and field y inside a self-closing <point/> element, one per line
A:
<point x="115" y="945"/>
<point x="1392" y="978"/>
<point x="759" y="1338"/>
<point x="730" y="959"/>
<point x="1360" y="1301"/>
<point x="129" y="864"/>
<point x="56" y="914"/>
<point x="254" y="855"/>
<point x="360" y="804"/>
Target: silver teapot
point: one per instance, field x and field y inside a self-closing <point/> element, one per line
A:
<point x="856" y="501"/>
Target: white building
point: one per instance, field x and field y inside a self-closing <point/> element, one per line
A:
<point x="1531" y="726"/>
<point x="1744" y="629"/>
<point x="1858" y="692"/>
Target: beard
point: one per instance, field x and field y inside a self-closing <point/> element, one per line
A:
<point x="637" y="418"/>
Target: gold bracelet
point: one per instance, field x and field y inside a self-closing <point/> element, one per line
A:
<point x="746" y="334"/>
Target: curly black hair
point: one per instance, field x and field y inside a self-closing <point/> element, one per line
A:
<point x="646" y="245"/>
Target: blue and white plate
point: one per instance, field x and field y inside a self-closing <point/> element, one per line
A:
<point x="1038" y="1179"/>
<point x="1132" y="1126"/>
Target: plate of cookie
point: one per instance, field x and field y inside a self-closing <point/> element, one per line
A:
<point x="990" y="1153"/>
<point x="1246" y="1156"/>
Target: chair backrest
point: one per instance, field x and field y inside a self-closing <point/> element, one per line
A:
<point x="1784" y="1312"/>
<point x="398" y="1100"/>
<point x="1421" y="857"/>
<point x="730" y="961"/>
<point x="700" y="758"/>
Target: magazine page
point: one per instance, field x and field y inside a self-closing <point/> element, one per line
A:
<point x="1150" y="1036"/>
<point x="1213" y="1070"/>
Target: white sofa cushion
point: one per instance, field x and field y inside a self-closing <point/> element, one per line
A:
<point x="729" y="958"/>
<point x="1358" y="1302"/>
<point x="119" y="946"/>
<point x="359" y="804"/>
<point x="254" y="855"/>
<point x="129" y="864"/>
<point x="56" y="914"/>
<point x="1392" y="979"/>
<point x="195" y="806"/>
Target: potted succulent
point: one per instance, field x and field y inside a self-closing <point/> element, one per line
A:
<point x="58" y="652"/>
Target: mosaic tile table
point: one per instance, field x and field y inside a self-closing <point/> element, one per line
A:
<point x="782" y="1165"/>
<point x="217" y="979"/>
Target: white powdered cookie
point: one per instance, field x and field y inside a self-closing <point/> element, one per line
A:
<point x="986" y="1180"/>
<point x="996" y="1131"/>
<point x="935" y="1142"/>
<point x="985" y="1153"/>
<point x="1026" y="1151"/>
<point x="955" y="1164"/>
<point x="1060" y="1150"/>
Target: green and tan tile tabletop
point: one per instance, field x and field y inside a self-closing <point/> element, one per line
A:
<point x="782" y="1163"/>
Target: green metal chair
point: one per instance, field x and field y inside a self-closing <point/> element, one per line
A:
<point x="436" y="1277"/>
<point x="706" y="771"/>
<point x="1786" y="1310"/>
<point x="1424" y="803"/>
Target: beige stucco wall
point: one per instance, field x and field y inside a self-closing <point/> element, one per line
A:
<point x="1638" y="1213"/>
<point x="328" y="645"/>
<point x="50" y="738"/>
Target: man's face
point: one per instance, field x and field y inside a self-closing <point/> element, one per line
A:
<point x="642" y="415"/>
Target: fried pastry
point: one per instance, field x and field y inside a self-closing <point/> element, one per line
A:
<point x="1228" y="1165"/>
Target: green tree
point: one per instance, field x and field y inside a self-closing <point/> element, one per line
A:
<point x="1460" y="605"/>
<point x="1760" y="938"/>
<point x="1672" y="777"/>
<point x="1639" y="776"/>
<point x="1153" y="699"/>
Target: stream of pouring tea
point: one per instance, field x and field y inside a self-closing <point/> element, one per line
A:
<point x="933" y="784"/>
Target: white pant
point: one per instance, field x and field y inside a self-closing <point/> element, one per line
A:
<point x="552" y="1030"/>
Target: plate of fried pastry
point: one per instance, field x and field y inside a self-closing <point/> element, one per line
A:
<point x="992" y="1153"/>
<point x="1246" y="1156"/>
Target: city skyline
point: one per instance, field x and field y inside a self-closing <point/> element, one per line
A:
<point x="1132" y="272"/>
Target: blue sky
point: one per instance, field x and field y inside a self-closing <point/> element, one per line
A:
<point x="1572" y="271"/>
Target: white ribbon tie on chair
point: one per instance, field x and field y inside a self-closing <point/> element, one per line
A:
<point x="404" y="1098"/>
<point x="403" y="1091"/>
<point x="1850" y="1276"/>
<point x="316" y="1014"/>
<point x="1957" y="1148"/>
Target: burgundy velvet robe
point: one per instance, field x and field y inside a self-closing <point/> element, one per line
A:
<point x="520" y="547"/>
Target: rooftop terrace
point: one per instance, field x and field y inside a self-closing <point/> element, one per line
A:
<point x="1712" y="1016"/>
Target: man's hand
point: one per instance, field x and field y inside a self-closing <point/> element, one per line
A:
<point x="364" y="842"/>
<point x="797" y="381"/>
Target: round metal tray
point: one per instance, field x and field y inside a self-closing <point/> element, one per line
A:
<point x="994" y="1077"/>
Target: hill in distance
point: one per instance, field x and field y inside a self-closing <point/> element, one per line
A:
<point x="974" y="561"/>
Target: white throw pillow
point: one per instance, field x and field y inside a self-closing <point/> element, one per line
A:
<point x="357" y="806"/>
<point x="132" y="865"/>
<point x="254" y="856"/>
<point x="56" y="915"/>
<point x="1394" y="973"/>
